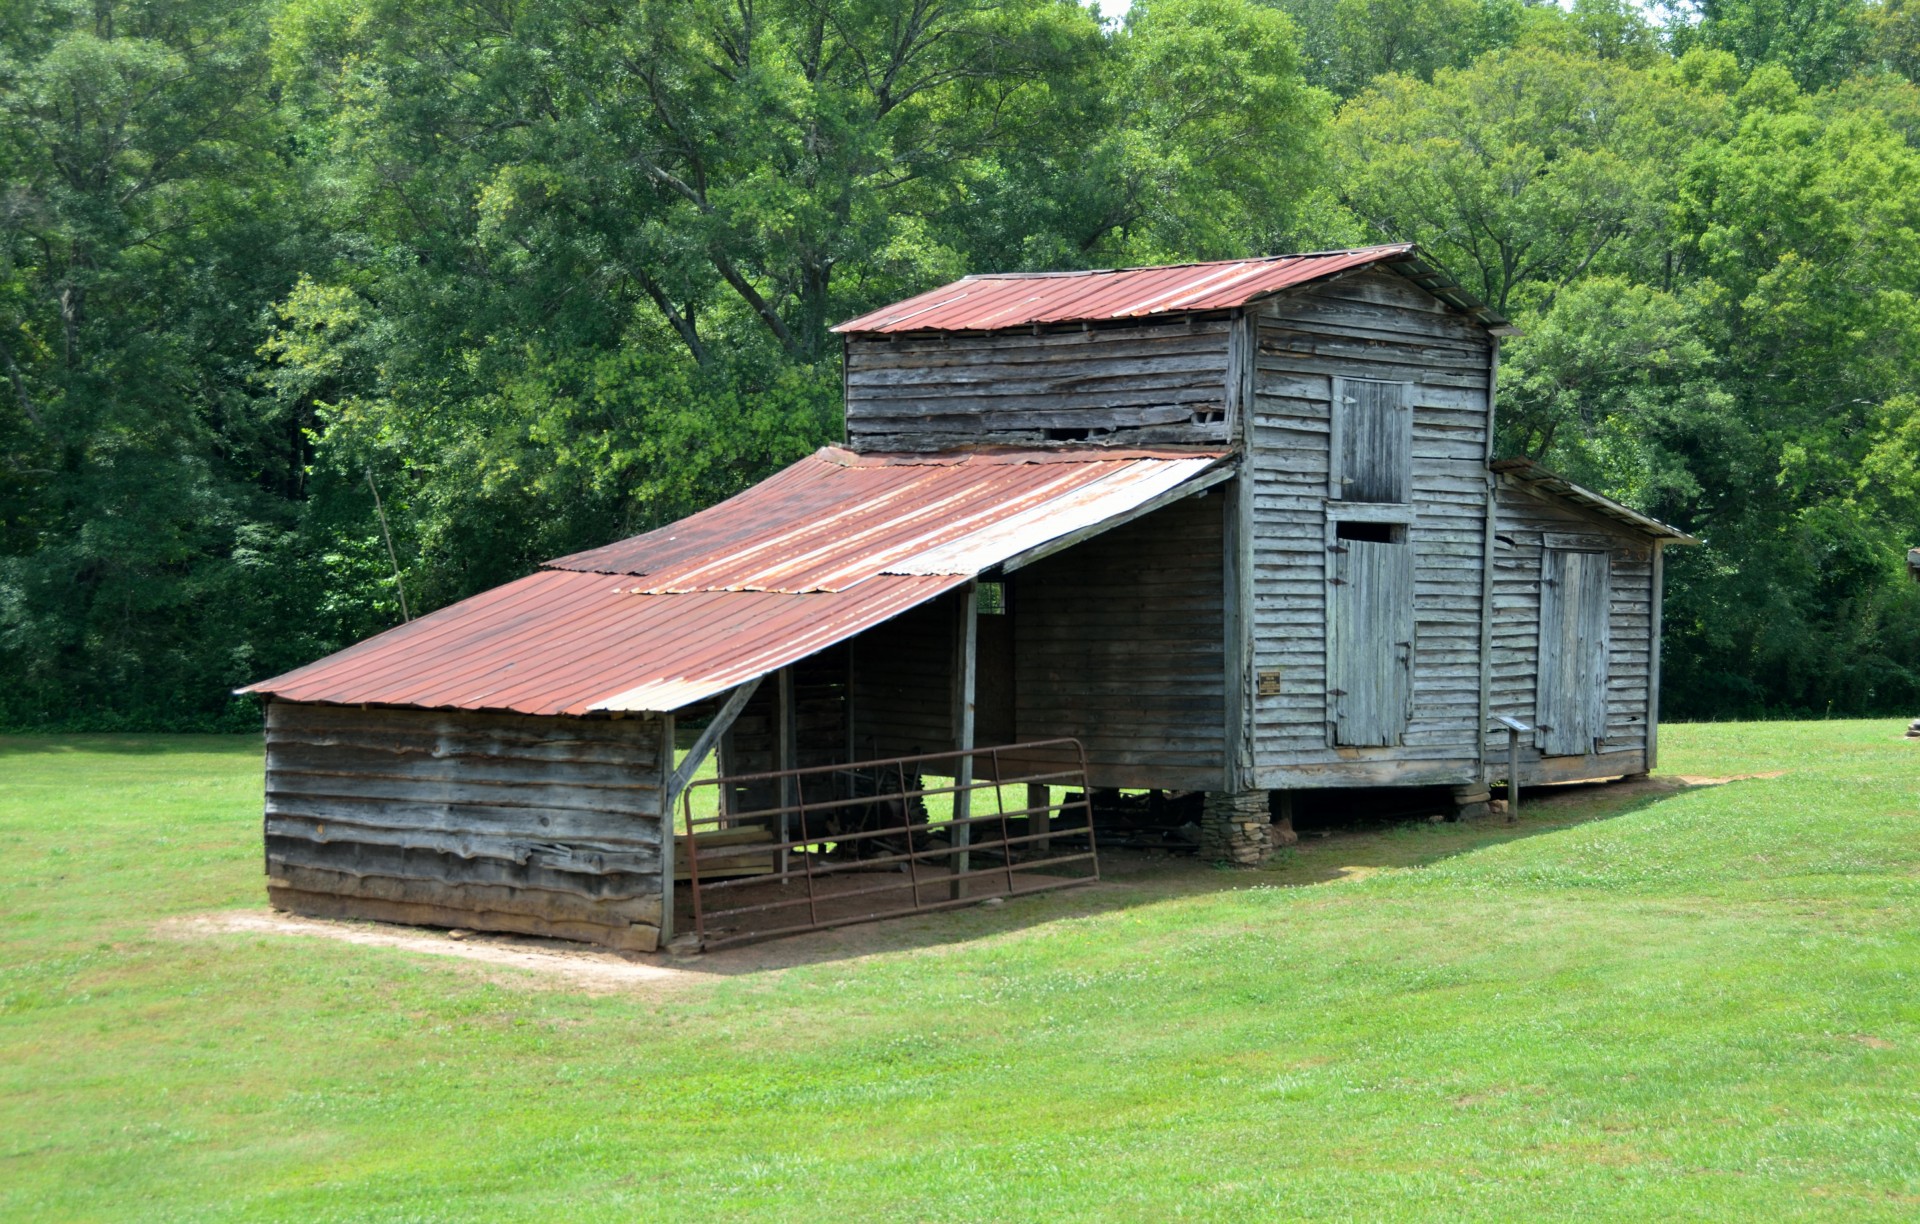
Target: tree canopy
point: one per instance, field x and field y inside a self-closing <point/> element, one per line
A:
<point x="543" y="274"/>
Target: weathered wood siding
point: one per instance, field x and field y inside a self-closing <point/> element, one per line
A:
<point x="1370" y="643"/>
<point x="1162" y="382"/>
<point x="903" y="683"/>
<point x="1529" y="526"/>
<point x="1119" y="642"/>
<point x="545" y="826"/>
<point x="1570" y="713"/>
<point x="1377" y="328"/>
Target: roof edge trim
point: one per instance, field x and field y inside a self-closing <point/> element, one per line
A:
<point x="1528" y="471"/>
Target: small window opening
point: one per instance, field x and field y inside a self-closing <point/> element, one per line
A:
<point x="992" y="597"/>
<point x="1067" y="435"/>
<point x="1378" y="533"/>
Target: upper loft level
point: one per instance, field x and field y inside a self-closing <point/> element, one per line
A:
<point x="1163" y="356"/>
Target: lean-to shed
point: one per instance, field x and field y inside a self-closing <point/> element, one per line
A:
<point x="1234" y="528"/>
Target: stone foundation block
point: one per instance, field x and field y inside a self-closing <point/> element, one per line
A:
<point x="1236" y="827"/>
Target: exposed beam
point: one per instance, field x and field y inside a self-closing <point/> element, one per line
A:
<point x="1206" y="480"/>
<point x="729" y="710"/>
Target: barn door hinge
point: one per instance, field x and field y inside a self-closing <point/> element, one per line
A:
<point x="1336" y="692"/>
<point x="1336" y="582"/>
<point x="1338" y="548"/>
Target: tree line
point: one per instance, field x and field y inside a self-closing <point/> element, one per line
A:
<point x="541" y="273"/>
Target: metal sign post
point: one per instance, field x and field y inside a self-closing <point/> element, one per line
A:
<point x="1515" y="729"/>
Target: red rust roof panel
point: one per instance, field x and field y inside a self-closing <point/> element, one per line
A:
<point x="837" y="518"/>
<point x="564" y="642"/>
<point x="992" y="301"/>
<point x="829" y="547"/>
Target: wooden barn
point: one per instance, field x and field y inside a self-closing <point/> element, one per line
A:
<point x="1234" y="529"/>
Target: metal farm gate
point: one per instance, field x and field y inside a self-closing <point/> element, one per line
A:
<point x="786" y="851"/>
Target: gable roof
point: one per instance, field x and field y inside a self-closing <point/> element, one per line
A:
<point x="831" y="546"/>
<point x="1559" y="486"/>
<point x="997" y="300"/>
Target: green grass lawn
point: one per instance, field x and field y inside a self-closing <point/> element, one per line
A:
<point x="1698" y="1006"/>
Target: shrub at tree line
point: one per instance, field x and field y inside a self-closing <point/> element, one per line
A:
<point x="549" y="273"/>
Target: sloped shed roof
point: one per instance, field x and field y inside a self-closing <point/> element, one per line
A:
<point x="992" y="301"/>
<point x="1559" y="486"/>
<point x="833" y="545"/>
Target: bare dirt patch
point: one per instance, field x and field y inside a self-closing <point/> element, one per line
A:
<point x="573" y="965"/>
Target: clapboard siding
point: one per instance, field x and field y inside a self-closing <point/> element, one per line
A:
<point x="1523" y="522"/>
<point x="541" y="825"/>
<point x="1162" y="382"/>
<point x="1368" y="326"/>
<point x="1119" y="642"/>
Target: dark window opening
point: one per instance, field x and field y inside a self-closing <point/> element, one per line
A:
<point x="1378" y="533"/>
<point x="1067" y="435"/>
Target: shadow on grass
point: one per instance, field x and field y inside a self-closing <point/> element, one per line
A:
<point x="130" y="744"/>
<point x="1132" y="878"/>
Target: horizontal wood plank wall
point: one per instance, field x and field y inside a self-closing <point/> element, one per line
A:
<point x="1119" y="641"/>
<point x="1368" y="325"/>
<point x="544" y="826"/>
<point x="1523" y="520"/>
<point x="1155" y="383"/>
<point x="903" y="683"/>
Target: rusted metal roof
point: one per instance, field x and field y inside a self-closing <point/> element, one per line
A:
<point x="993" y="301"/>
<point x="833" y="545"/>
<point x="837" y="518"/>
<point x="1549" y="482"/>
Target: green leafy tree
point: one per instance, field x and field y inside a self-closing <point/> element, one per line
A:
<point x="143" y="476"/>
<point x="1349" y="43"/>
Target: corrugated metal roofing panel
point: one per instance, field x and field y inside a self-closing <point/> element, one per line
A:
<point x="836" y="518"/>
<point x="1560" y="486"/>
<point x="992" y="301"/>
<point x="829" y="547"/>
<point x="564" y="642"/>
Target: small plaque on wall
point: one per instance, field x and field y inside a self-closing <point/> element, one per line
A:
<point x="1267" y="683"/>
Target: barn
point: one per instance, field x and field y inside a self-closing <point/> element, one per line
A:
<point x="1229" y="529"/>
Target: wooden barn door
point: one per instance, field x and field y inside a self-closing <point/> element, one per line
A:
<point x="1574" y="599"/>
<point x="1370" y="641"/>
<point x="1372" y="446"/>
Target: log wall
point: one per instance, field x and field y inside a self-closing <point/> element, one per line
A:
<point x="1371" y="325"/>
<point x="543" y="826"/>
<point x="1155" y="383"/>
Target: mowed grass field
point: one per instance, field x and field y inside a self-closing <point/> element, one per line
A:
<point x="1702" y="1005"/>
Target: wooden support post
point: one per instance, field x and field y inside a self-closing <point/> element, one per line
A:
<point x="1040" y="824"/>
<point x="722" y="723"/>
<point x="1283" y="834"/>
<point x="786" y="749"/>
<point x="669" y="822"/>
<point x="966" y="639"/>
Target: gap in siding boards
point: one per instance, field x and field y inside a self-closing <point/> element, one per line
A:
<point x="1159" y="383"/>
<point x="1371" y="326"/>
